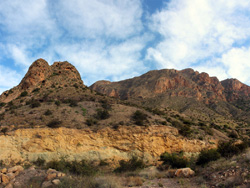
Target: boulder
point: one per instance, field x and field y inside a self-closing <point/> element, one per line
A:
<point x="56" y="181"/>
<point x="184" y="172"/>
<point x="51" y="176"/>
<point x="15" y="169"/>
<point x="5" y="179"/>
<point x="4" y="170"/>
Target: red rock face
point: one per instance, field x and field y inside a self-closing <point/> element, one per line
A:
<point x="185" y="83"/>
<point x="37" y="72"/>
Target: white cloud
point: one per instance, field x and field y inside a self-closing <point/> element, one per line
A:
<point x="237" y="62"/>
<point x="8" y="78"/>
<point x="110" y="18"/>
<point x="194" y="30"/>
<point x="97" y="61"/>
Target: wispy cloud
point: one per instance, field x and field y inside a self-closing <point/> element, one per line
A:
<point x="196" y="30"/>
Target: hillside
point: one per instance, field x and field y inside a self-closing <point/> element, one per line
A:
<point x="52" y="117"/>
<point x="187" y="91"/>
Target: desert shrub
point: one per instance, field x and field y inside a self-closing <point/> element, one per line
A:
<point x="35" y="182"/>
<point x="39" y="162"/>
<point x="34" y="104"/>
<point x="47" y="112"/>
<point x="57" y="103"/>
<point x="102" y="114"/>
<point x="91" y="121"/>
<point x="185" y="130"/>
<point x="4" y="130"/>
<point x="84" y="111"/>
<point x="106" y="105"/>
<point x="175" y="160"/>
<point x="206" y="156"/>
<point x="2" y="116"/>
<point x="2" y="104"/>
<point x="74" y="167"/>
<point x="228" y="149"/>
<point x="23" y="94"/>
<point x="133" y="164"/>
<point x="36" y="90"/>
<point x="54" y="123"/>
<point x="139" y="117"/>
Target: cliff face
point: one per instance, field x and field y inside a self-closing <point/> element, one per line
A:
<point x="105" y="144"/>
<point x="186" y="83"/>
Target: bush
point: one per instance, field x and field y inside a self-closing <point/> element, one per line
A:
<point x="47" y="112"/>
<point x="36" y="90"/>
<point x="131" y="165"/>
<point x="228" y="149"/>
<point x="4" y="130"/>
<point x="139" y="117"/>
<point x="34" y="104"/>
<point x="185" y="130"/>
<point x="75" y="167"/>
<point x="54" y="123"/>
<point x="175" y="160"/>
<point x="57" y="103"/>
<point x="39" y="162"/>
<point x="208" y="155"/>
<point x="23" y="94"/>
<point x="102" y="114"/>
<point x="91" y="121"/>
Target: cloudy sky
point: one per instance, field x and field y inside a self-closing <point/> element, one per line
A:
<point x="119" y="39"/>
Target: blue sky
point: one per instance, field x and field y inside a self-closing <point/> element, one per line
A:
<point x="120" y="39"/>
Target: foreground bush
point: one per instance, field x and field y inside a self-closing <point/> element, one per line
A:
<point x="74" y="167"/>
<point x="54" y="123"/>
<point x="175" y="160"/>
<point x="139" y="117"/>
<point x="131" y="165"/>
<point x="228" y="149"/>
<point x="208" y="155"/>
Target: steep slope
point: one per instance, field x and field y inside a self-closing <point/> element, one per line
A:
<point x="187" y="91"/>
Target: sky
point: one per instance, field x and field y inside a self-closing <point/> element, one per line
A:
<point x="119" y="39"/>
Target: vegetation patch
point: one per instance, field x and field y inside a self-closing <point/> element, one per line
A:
<point x="175" y="160"/>
<point x="139" y="117"/>
<point x="131" y="165"/>
<point x="208" y="155"/>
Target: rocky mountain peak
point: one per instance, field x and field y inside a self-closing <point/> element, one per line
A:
<point x="42" y="75"/>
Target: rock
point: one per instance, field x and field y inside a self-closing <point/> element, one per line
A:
<point x="184" y="172"/>
<point x="56" y="181"/>
<point x="51" y="176"/>
<point x="15" y="169"/>
<point x="4" y="170"/>
<point x="60" y="174"/>
<point x="11" y="175"/>
<point x="5" y="179"/>
<point x="46" y="184"/>
<point x="50" y="170"/>
<point x="9" y="185"/>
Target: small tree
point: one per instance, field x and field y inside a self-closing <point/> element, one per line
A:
<point x="4" y="130"/>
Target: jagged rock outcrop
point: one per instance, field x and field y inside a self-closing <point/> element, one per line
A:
<point x="41" y="74"/>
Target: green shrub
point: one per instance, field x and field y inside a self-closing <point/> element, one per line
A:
<point x="34" y="104"/>
<point x="75" y="167"/>
<point x="228" y="149"/>
<point x="175" y="160"/>
<point x="47" y="112"/>
<point x="139" y="117"/>
<point x="206" y="156"/>
<point x="23" y="94"/>
<point x="36" y="90"/>
<point x="57" y="103"/>
<point x="84" y="111"/>
<point x="54" y="123"/>
<point x="91" y="121"/>
<point x="102" y="114"/>
<point x="185" y="130"/>
<point x="131" y="165"/>
<point x="39" y="162"/>
<point x="2" y="104"/>
<point x="4" y="130"/>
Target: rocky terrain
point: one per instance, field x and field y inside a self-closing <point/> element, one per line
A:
<point x="52" y="120"/>
<point x="186" y="91"/>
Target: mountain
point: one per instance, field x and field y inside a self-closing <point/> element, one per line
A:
<point x="52" y="105"/>
<point x="187" y="91"/>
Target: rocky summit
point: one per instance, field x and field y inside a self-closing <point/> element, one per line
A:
<point x="169" y="123"/>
